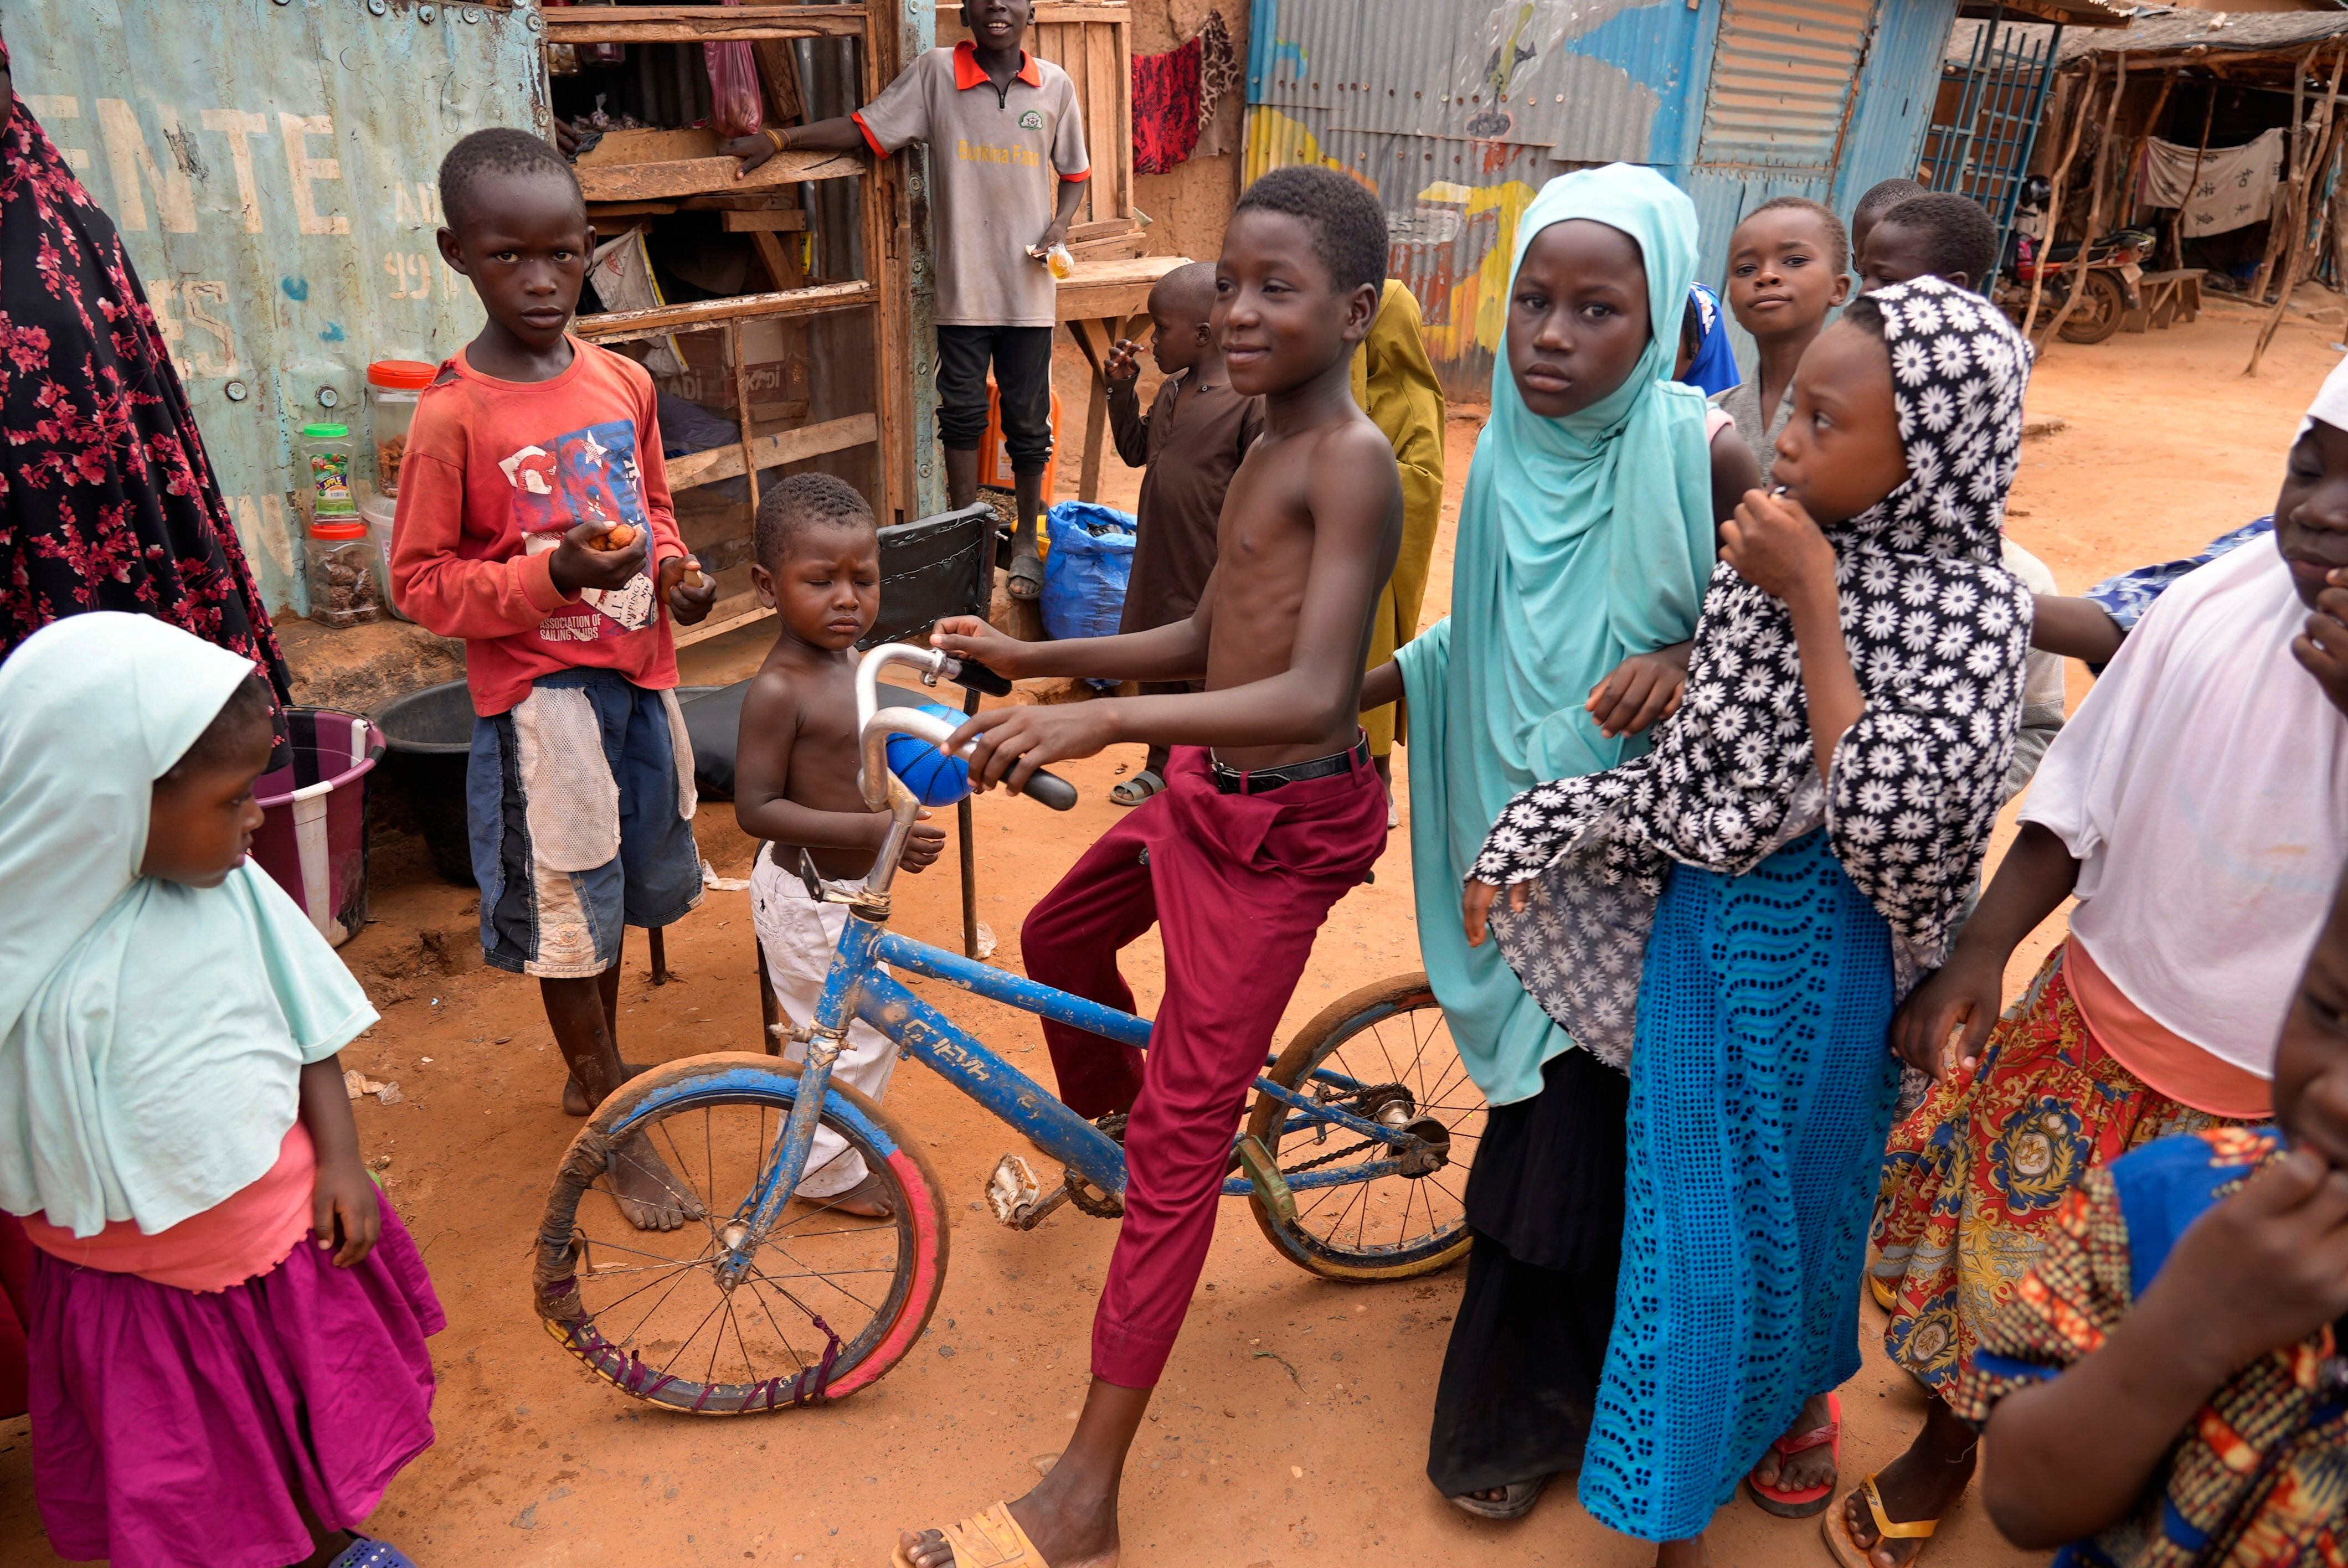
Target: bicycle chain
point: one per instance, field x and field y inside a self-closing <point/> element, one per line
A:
<point x="1331" y="1159"/>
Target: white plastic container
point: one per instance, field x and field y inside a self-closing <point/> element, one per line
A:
<point x="378" y="512"/>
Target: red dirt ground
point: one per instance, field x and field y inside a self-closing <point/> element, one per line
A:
<point x="1291" y="1430"/>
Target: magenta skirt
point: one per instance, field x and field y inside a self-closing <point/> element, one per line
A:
<point x="171" y="1428"/>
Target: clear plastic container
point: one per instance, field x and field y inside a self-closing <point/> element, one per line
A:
<point x="377" y="513"/>
<point x="393" y="386"/>
<point x="325" y="463"/>
<point x="343" y="566"/>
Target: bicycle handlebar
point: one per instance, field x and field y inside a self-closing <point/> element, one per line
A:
<point x="1049" y="788"/>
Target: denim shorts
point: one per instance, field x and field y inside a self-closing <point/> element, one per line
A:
<point x="581" y="802"/>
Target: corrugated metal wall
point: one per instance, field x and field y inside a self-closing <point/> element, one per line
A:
<point x="271" y="165"/>
<point x="1458" y="111"/>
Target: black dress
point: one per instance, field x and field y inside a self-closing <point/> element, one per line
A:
<point x="1545" y="1202"/>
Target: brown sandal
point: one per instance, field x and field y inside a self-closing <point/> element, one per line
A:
<point x="1845" y="1547"/>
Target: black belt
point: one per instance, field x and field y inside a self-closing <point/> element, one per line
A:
<point x="1236" y="781"/>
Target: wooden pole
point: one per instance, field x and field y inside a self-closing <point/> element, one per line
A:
<point x="2275" y="232"/>
<point x="2132" y="175"/>
<point x="2319" y="184"/>
<point x="2095" y="206"/>
<point x="2177" y="230"/>
<point x="2296" y="208"/>
<point x="2054" y="195"/>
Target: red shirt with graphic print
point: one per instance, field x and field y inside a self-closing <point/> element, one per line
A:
<point x="495" y="472"/>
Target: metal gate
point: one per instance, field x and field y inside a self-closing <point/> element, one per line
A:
<point x="1978" y="146"/>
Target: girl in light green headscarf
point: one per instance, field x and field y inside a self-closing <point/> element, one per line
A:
<point x="1586" y="536"/>
<point x="226" y="1330"/>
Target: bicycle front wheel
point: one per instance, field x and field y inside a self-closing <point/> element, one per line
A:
<point x="830" y="1300"/>
<point x="1384" y="1053"/>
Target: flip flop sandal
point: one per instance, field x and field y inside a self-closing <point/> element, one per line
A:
<point x="1515" y="1501"/>
<point x="1792" y="1504"/>
<point x="1845" y="1548"/>
<point x="1026" y="572"/>
<point x="1137" y="788"/>
<point x="989" y="1540"/>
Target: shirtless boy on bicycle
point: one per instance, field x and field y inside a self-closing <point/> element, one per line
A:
<point x="1271" y="811"/>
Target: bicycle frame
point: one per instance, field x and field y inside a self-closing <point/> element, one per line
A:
<point x="858" y="988"/>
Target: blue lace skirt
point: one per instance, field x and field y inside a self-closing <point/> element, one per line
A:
<point x="1761" y="1093"/>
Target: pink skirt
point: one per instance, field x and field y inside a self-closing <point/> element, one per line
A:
<point x="171" y="1428"/>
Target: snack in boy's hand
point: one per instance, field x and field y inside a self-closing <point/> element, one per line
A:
<point x="618" y="537"/>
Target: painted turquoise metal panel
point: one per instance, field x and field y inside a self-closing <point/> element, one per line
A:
<point x="1458" y="111"/>
<point x="1897" y="92"/>
<point x="272" y="165"/>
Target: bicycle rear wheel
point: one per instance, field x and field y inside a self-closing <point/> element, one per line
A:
<point x="831" y="1300"/>
<point x="1392" y="1048"/>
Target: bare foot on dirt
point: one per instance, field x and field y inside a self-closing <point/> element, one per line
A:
<point x="1071" y="1533"/>
<point x="866" y="1200"/>
<point x="1808" y="1468"/>
<point x="1925" y="1482"/>
<point x="574" y="1099"/>
<point x="650" y="1196"/>
<point x="1685" y="1553"/>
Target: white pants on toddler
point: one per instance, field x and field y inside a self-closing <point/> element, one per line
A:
<point x="797" y="936"/>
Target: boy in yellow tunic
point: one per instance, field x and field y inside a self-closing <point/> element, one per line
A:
<point x="1394" y="381"/>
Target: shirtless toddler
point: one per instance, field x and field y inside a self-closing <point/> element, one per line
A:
<point x="795" y="785"/>
<point x="1240" y="859"/>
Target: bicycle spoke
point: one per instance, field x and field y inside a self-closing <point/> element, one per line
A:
<point x="826" y="1279"/>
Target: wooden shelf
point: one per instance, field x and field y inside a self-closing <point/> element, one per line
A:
<point x="683" y="177"/>
<point x="699" y="24"/>
<point x="620" y="326"/>
<point x="782" y="446"/>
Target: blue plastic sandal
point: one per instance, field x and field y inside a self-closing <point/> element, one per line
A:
<point x="363" y="1552"/>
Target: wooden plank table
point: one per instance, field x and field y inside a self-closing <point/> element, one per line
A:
<point x="1098" y="306"/>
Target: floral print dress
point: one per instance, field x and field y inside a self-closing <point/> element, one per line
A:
<point x="107" y="500"/>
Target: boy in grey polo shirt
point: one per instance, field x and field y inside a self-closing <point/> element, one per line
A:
<point x="1001" y="127"/>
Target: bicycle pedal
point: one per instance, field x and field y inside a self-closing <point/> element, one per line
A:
<point x="1013" y="1190"/>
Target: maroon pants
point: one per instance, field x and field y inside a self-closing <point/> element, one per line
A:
<point x="1238" y="885"/>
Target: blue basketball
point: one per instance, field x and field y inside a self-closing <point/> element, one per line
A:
<point x="934" y="778"/>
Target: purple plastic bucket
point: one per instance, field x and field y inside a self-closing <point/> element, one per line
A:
<point x="313" y="836"/>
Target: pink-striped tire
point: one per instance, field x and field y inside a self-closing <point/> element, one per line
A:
<point x="590" y="1283"/>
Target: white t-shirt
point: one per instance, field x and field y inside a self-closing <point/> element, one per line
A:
<point x="2203" y="785"/>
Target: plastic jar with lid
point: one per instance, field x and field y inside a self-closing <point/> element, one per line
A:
<point x="325" y="464"/>
<point x="392" y="386"/>
<point x="343" y="568"/>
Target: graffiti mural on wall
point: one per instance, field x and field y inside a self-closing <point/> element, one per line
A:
<point x="274" y="174"/>
<point x="1456" y="115"/>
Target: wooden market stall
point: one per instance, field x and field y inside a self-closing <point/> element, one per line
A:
<point x="808" y="348"/>
<point x="2208" y="80"/>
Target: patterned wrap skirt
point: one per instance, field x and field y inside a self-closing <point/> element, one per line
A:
<point x="1974" y="1178"/>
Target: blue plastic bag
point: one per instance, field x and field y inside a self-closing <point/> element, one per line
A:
<point x="1086" y="575"/>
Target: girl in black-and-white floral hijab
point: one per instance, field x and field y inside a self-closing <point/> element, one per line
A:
<point x="1937" y="633"/>
<point x="1733" y="916"/>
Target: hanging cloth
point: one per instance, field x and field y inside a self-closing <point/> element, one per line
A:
<point x="1165" y="108"/>
<point x="2235" y="186"/>
<point x="1218" y="85"/>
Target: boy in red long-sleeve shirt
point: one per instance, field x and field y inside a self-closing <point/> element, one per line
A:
<point x="531" y="501"/>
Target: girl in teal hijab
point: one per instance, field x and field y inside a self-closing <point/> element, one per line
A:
<point x="1586" y="536"/>
<point x="226" y="1329"/>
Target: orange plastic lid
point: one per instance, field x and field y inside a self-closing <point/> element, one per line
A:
<point x="407" y="375"/>
<point x="338" y="528"/>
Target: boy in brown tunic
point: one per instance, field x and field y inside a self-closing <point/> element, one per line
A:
<point x="1191" y="441"/>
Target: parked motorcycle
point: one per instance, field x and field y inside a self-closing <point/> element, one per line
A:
<point x="2113" y="262"/>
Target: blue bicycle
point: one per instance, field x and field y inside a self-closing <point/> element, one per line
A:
<point x="1354" y="1156"/>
